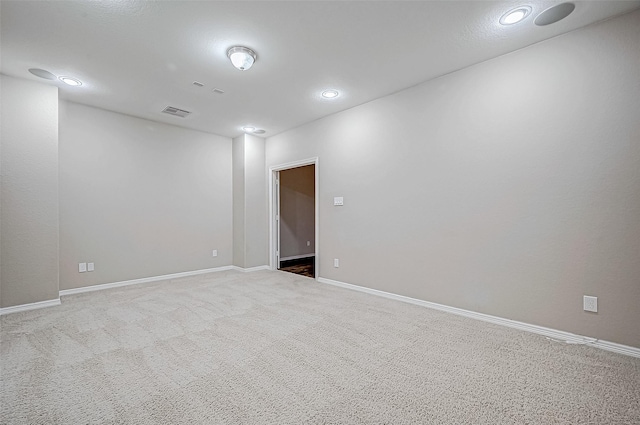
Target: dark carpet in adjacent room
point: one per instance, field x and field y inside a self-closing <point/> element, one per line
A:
<point x="301" y="266"/>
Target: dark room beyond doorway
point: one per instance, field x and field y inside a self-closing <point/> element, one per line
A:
<point x="297" y="220"/>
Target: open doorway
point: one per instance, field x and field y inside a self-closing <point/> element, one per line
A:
<point x="297" y="220"/>
<point x="294" y="218"/>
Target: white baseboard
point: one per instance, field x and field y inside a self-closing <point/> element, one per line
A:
<point x="62" y="293"/>
<point x="298" y="257"/>
<point x="554" y="334"/>
<point x="31" y="306"/>
<point x="250" y="269"/>
<point x="142" y="280"/>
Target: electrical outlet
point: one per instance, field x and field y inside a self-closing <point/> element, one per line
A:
<point x="214" y="253"/>
<point x="91" y="267"/>
<point x="590" y="303"/>
<point x="336" y="262"/>
<point x="82" y="267"/>
<point x="308" y="243"/>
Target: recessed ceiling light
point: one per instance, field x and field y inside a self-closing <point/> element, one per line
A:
<point x="515" y="15"/>
<point x="554" y="14"/>
<point x="70" y="81"/>
<point x="330" y="94"/>
<point x="249" y="129"/>
<point x="242" y="57"/>
<point x="42" y="73"/>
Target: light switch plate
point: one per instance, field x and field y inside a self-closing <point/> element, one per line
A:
<point x="82" y="267"/>
<point x="338" y="201"/>
<point x="336" y="262"/>
<point x="214" y="253"/>
<point x="91" y="267"/>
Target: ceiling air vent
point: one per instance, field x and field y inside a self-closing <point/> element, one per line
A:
<point x="175" y="111"/>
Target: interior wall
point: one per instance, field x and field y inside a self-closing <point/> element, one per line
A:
<point x="250" y="220"/>
<point x="297" y="212"/>
<point x="238" y="202"/>
<point x="140" y="198"/>
<point x="29" y="208"/>
<point x="256" y="207"/>
<point x="508" y="188"/>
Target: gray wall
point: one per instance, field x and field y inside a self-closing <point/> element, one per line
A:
<point x="297" y="211"/>
<point x="510" y="188"/>
<point x="239" y="241"/>
<point x="140" y="198"/>
<point x="29" y="209"/>
<point x="256" y="220"/>
<point x="250" y="215"/>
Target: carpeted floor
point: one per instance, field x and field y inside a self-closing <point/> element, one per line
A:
<point x="277" y="348"/>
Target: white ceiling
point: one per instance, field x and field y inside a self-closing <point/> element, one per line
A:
<point x="137" y="57"/>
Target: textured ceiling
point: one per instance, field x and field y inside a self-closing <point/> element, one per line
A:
<point x="138" y="57"/>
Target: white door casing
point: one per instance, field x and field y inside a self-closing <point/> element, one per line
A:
<point x="274" y="211"/>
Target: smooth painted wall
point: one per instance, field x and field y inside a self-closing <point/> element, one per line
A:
<point x="29" y="207"/>
<point x="140" y="198"/>
<point x="257" y="222"/>
<point x="510" y="188"/>
<point x="297" y="211"/>
<point x="250" y="217"/>
<point x="239" y="241"/>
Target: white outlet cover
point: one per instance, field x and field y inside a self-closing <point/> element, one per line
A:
<point x="590" y="304"/>
<point x="214" y="253"/>
<point x="91" y="267"/>
<point x="82" y="267"/>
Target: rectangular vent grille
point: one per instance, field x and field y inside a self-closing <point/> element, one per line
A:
<point x="175" y="111"/>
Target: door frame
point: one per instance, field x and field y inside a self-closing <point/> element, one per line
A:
<point x="273" y="209"/>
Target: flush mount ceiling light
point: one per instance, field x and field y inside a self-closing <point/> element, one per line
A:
<point x="515" y="15"/>
<point x="249" y="129"/>
<point x="242" y="57"/>
<point x="554" y="14"/>
<point x="70" y="81"/>
<point x="330" y="94"/>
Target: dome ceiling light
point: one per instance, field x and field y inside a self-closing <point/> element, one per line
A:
<point x="242" y="57"/>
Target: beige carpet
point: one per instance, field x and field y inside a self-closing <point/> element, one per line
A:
<point x="277" y="348"/>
